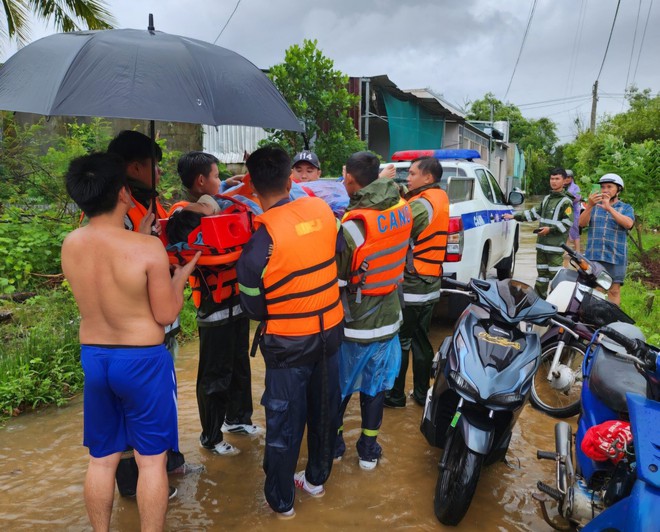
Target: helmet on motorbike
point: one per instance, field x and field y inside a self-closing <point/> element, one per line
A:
<point x="626" y="329"/>
<point x="611" y="178"/>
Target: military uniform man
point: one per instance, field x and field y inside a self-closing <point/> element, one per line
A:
<point x="555" y="217"/>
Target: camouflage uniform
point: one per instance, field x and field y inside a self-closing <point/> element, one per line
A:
<point x="555" y="212"/>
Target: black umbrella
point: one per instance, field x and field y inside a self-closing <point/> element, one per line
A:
<point x="141" y="74"/>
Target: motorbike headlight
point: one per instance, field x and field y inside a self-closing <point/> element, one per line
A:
<point x="505" y="399"/>
<point x="604" y="280"/>
<point x="462" y="384"/>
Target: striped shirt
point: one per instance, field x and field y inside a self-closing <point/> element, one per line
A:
<point x="608" y="241"/>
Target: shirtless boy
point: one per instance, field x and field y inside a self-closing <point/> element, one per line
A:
<point x="122" y="285"/>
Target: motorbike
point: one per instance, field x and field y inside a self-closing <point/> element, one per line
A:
<point x="619" y="490"/>
<point x="557" y="386"/>
<point x="483" y="375"/>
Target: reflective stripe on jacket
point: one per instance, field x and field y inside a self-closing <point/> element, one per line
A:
<point x="428" y="249"/>
<point x="300" y="280"/>
<point x="378" y="262"/>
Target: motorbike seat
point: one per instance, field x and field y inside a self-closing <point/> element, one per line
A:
<point x="611" y="378"/>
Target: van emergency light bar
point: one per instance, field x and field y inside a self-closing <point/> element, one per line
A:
<point x="409" y="155"/>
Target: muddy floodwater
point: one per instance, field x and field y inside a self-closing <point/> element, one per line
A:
<point x="43" y="463"/>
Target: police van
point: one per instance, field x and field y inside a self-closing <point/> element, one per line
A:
<point x="479" y="237"/>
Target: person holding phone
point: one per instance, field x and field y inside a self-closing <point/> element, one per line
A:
<point x="609" y="220"/>
<point x="555" y="217"/>
<point x="574" y="190"/>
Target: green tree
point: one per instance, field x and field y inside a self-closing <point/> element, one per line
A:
<point x="536" y="137"/>
<point x="66" y="15"/>
<point x="318" y="95"/>
<point x="628" y="144"/>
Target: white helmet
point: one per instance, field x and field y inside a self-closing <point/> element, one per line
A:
<point x="611" y="178"/>
<point x="569" y="173"/>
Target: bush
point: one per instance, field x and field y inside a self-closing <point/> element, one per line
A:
<point x="39" y="353"/>
<point x="31" y="242"/>
<point x="643" y="305"/>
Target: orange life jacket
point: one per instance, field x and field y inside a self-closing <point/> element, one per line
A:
<point x="300" y="281"/>
<point x="221" y="283"/>
<point x="428" y="250"/>
<point x="178" y="205"/>
<point x="224" y="235"/>
<point x="377" y="267"/>
<point x="137" y="212"/>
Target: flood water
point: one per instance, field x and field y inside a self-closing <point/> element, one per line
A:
<point x="43" y="463"/>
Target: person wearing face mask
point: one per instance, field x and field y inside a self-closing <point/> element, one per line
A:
<point x="609" y="220"/>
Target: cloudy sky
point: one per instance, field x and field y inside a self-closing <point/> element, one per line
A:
<point x="458" y="48"/>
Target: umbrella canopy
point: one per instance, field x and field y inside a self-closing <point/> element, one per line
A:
<point x="141" y="74"/>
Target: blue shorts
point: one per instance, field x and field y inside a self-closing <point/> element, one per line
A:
<point x="129" y="400"/>
<point x="617" y="271"/>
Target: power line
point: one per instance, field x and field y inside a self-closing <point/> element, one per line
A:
<point x="522" y="45"/>
<point x="228" y="20"/>
<point x="641" y="43"/>
<point x="575" y="52"/>
<point x="560" y="100"/>
<point x="609" y="39"/>
<point x="632" y="49"/>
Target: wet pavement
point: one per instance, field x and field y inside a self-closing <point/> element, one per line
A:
<point x="43" y="463"/>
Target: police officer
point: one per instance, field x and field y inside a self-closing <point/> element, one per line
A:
<point x="429" y="205"/>
<point x="555" y="217"/>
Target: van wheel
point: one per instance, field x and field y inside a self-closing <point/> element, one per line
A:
<point x="507" y="266"/>
<point x="483" y="266"/>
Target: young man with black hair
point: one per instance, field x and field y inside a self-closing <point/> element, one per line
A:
<point x="422" y="277"/>
<point x="288" y="280"/>
<point x="140" y="155"/>
<point x="376" y="232"/>
<point x="224" y="391"/>
<point x="122" y="284"/>
<point x="555" y="217"/>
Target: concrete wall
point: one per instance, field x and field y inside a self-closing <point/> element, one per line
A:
<point x="180" y="137"/>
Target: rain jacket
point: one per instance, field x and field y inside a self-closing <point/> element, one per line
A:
<point x="428" y="239"/>
<point x="368" y="318"/>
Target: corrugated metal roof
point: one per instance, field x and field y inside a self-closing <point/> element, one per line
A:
<point x="230" y="143"/>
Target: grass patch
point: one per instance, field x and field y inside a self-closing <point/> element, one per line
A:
<point x="643" y="305"/>
<point x="40" y="352"/>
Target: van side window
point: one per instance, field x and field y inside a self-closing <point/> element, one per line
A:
<point x="499" y="195"/>
<point x="485" y="185"/>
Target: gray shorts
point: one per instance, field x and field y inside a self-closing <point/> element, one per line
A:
<point x="617" y="271"/>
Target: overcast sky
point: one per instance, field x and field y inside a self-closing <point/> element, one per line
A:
<point x="461" y="49"/>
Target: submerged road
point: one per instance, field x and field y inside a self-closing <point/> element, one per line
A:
<point x="43" y="463"/>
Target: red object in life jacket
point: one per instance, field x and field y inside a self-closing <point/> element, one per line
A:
<point x="607" y="441"/>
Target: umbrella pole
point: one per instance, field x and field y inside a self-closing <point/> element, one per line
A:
<point x="152" y="134"/>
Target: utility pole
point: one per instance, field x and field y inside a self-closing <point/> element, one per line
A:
<point x="490" y="139"/>
<point x="594" y="99"/>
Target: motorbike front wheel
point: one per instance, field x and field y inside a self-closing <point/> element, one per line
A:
<point x="457" y="482"/>
<point x="546" y="396"/>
